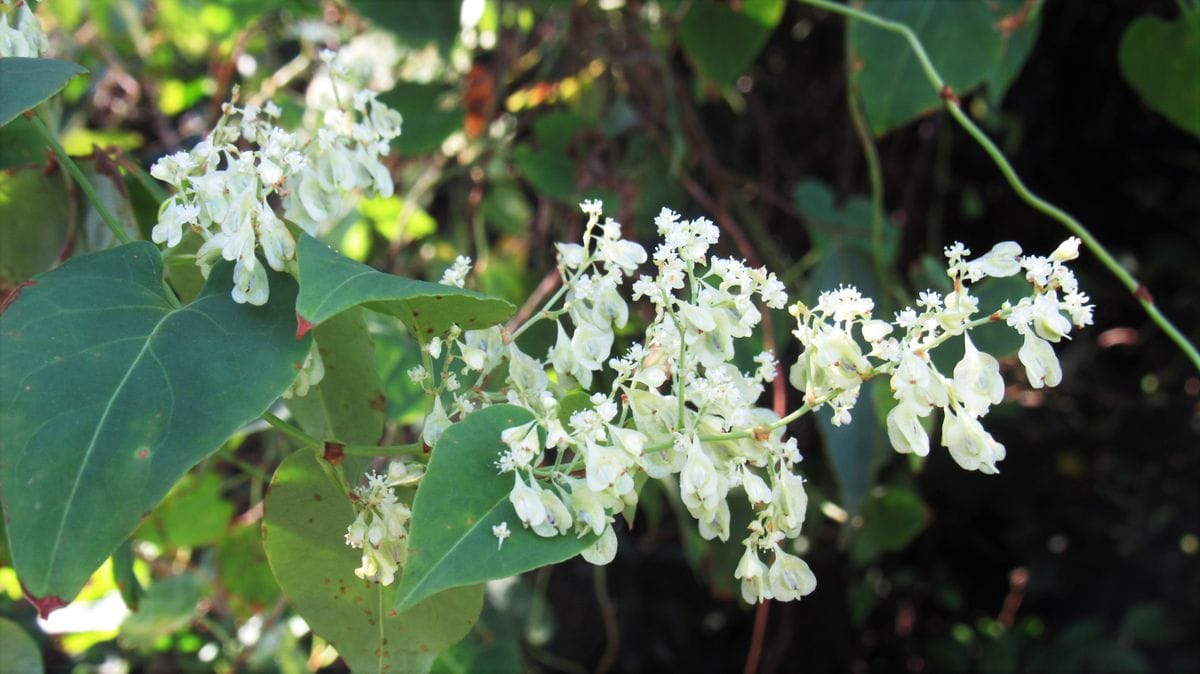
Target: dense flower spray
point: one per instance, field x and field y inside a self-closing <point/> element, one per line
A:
<point x="675" y="405"/>
<point x="227" y="186"/>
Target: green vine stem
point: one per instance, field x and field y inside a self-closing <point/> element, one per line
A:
<point x="80" y="179"/>
<point x="1139" y="291"/>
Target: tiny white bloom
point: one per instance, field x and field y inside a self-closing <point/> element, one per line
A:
<point x="501" y="532"/>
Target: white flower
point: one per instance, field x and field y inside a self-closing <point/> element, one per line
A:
<point x="501" y="532"/>
<point x="753" y="574"/>
<point x="558" y="518"/>
<point x="977" y="380"/>
<point x="527" y="502"/>
<point x="436" y="423"/>
<point x="1067" y="250"/>
<point x="1000" y="261"/>
<point x="1041" y="365"/>
<point x="456" y="274"/>
<point x="604" y="550"/>
<point x="970" y="445"/>
<point x="905" y="431"/>
<point x="790" y="577"/>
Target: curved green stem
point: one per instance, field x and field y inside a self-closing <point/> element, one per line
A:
<point x="80" y="179"/>
<point x="1074" y="226"/>
<point x="291" y="431"/>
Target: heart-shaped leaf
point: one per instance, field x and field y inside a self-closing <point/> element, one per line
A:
<point x="971" y="43"/>
<point x="108" y="394"/>
<point x="1154" y="57"/>
<point x="29" y="81"/>
<point x="304" y="527"/>
<point x="722" y="40"/>
<point x="333" y="283"/>
<point x="461" y="498"/>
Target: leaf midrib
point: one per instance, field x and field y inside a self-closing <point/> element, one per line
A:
<point x="100" y="425"/>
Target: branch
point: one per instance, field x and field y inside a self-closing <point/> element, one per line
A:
<point x="1139" y="291"/>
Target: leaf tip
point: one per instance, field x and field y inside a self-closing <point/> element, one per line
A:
<point x="44" y="605"/>
<point x="302" y="326"/>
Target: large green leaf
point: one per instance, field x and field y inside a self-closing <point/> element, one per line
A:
<point x="461" y="498"/>
<point x="723" y="41"/>
<point x="21" y="652"/>
<point x="108" y="394"/>
<point x="35" y="211"/>
<point x="970" y="42"/>
<point x="348" y="405"/>
<point x="29" y="81"/>
<point x="1158" y="58"/>
<point x="304" y="527"/>
<point x="333" y="283"/>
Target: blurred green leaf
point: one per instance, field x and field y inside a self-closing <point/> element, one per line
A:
<point x="193" y="514"/>
<point x="21" y="653"/>
<point x="29" y="81"/>
<point x="416" y="23"/>
<point x="477" y="654"/>
<point x="304" y="530"/>
<point x="35" y="213"/>
<point x="506" y="209"/>
<point x="243" y="572"/>
<point x="461" y="498"/>
<point x="723" y="40"/>
<point x="1158" y="58"/>
<point x="891" y="520"/>
<point x="426" y="122"/>
<point x="21" y="145"/>
<point x="970" y="42"/>
<point x="549" y="170"/>
<point x="167" y="607"/>
<point x="127" y="582"/>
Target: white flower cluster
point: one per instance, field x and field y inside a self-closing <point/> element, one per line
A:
<point x="676" y="406"/>
<point x="20" y="33"/>
<point x="381" y="527"/>
<point x="844" y="346"/>
<point x="225" y="185"/>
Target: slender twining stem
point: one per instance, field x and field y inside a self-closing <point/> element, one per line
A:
<point x="1074" y="226"/>
<point x="412" y="449"/>
<point x="80" y="179"/>
<point x="871" y="155"/>
<point x="291" y="431"/>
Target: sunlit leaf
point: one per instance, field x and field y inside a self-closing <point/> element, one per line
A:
<point x="333" y="283"/>
<point x="461" y="498"/>
<point x="29" y="81"/>
<point x="108" y="394"/>
<point x="304" y="530"/>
